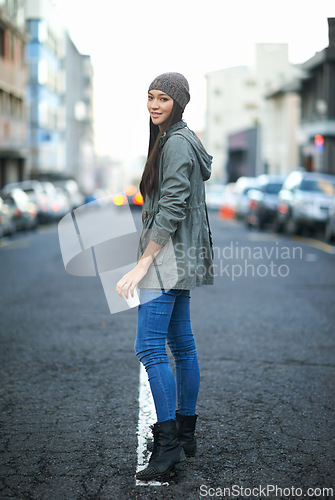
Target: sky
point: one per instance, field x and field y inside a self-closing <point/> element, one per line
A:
<point x="132" y="41"/>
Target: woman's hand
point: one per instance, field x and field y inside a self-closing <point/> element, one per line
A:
<point x="128" y="282"/>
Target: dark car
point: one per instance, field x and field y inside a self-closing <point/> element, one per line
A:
<point x="263" y="201"/>
<point x="304" y="202"/>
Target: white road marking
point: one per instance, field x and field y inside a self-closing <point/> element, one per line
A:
<point x="311" y="257"/>
<point x="13" y="245"/>
<point x="146" y="417"/>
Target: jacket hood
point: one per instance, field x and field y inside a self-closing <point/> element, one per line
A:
<point x="205" y="160"/>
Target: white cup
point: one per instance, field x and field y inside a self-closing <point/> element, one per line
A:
<point x="132" y="301"/>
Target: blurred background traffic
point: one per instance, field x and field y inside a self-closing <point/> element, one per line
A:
<point x="269" y="126"/>
<point x="302" y="203"/>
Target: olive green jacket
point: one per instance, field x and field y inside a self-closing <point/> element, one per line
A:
<point x="175" y="216"/>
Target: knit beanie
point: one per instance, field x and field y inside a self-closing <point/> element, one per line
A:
<point x="175" y="85"/>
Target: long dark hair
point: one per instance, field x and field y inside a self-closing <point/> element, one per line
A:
<point x="150" y="173"/>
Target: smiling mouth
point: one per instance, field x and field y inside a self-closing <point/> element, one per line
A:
<point x="155" y="115"/>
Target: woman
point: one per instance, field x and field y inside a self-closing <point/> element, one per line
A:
<point x="174" y="256"/>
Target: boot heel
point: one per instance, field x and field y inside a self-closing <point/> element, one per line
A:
<point x="182" y="455"/>
<point x="172" y="472"/>
<point x="186" y="433"/>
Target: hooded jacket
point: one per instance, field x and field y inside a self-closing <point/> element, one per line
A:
<point x="175" y="215"/>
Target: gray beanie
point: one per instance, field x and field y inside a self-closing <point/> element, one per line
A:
<point x="175" y="85"/>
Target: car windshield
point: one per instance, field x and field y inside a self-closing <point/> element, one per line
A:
<point x="31" y="193"/>
<point x="247" y="189"/>
<point x="323" y="186"/>
<point x="273" y="188"/>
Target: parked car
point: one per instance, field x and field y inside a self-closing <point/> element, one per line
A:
<point x="304" y="201"/>
<point x="37" y="194"/>
<point x="71" y="189"/>
<point x="263" y="201"/>
<point x="24" y="211"/>
<point x="330" y="225"/>
<point x="214" y="196"/>
<point x="242" y="186"/>
<point x="57" y="202"/>
<point x="7" y="223"/>
<point x="60" y="205"/>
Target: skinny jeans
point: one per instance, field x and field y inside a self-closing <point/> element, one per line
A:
<point x="164" y="317"/>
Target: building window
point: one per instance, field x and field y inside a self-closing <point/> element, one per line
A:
<point x="5" y="103"/>
<point x="12" y="8"/>
<point x="250" y="106"/>
<point x="250" y="83"/>
<point x="22" y="53"/>
<point x="2" y="42"/>
<point x="37" y="30"/>
<point x="15" y="106"/>
<point x="12" y="46"/>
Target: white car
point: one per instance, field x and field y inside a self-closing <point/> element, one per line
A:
<point x="214" y="196"/>
<point x="305" y="201"/>
<point x="37" y="195"/>
<point x="242" y="187"/>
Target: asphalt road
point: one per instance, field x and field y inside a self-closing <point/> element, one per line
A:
<point x="70" y="379"/>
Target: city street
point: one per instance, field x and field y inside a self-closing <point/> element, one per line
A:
<point x="266" y="345"/>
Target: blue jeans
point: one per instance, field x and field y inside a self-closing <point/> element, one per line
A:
<point x="165" y="316"/>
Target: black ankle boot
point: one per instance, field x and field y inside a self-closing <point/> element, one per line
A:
<point x="185" y="432"/>
<point x="167" y="452"/>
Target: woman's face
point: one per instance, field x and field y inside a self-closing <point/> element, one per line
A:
<point x="159" y="106"/>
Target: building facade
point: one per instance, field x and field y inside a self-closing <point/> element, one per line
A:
<point x="13" y="80"/>
<point x="236" y="99"/>
<point x="225" y="112"/>
<point x="317" y="94"/>
<point x="60" y="100"/>
<point x="243" y="154"/>
<point x="280" y="137"/>
<point x="46" y="89"/>
<point x="79" y="135"/>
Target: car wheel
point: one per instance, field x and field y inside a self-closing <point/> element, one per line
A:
<point x="312" y="230"/>
<point x="12" y="228"/>
<point x="278" y="226"/>
<point x="261" y="223"/>
<point x="329" y="233"/>
<point x="248" y="224"/>
<point x="292" y="226"/>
